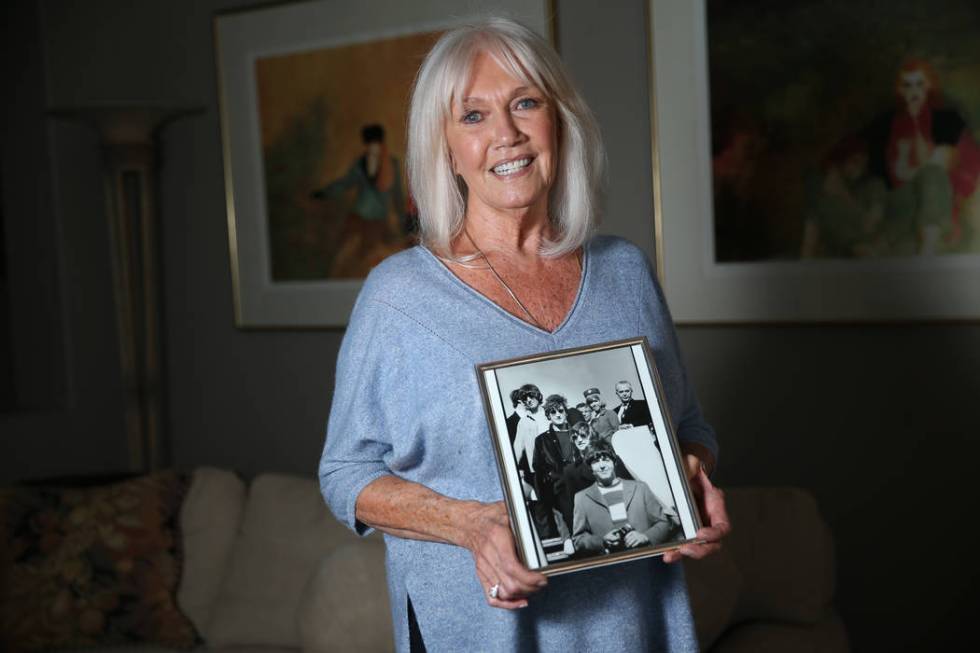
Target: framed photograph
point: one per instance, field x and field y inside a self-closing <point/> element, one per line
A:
<point x="587" y="455"/>
<point x="314" y="98"/>
<point x="833" y="175"/>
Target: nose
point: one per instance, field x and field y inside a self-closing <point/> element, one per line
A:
<point x="505" y="130"/>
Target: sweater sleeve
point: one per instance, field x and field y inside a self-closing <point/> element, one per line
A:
<point x="689" y="422"/>
<point x="360" y="427"/>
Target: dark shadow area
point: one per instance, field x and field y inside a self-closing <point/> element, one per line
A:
<point x="8" y="397"/>
<point x="877" y="422"/>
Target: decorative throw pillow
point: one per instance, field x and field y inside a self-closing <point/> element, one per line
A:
<point x="93" y="566"/>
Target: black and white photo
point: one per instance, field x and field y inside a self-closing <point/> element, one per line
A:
<point x="587" y="456"/>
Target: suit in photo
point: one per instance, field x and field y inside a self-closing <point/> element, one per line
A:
<point x="637" y="413"/>
<point x="643" y="512"/>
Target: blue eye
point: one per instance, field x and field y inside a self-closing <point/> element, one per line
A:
<point x="527" y="103"/>
<point x="472" y="117"/>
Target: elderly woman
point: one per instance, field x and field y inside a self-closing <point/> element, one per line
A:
<point x="504" y="162"/>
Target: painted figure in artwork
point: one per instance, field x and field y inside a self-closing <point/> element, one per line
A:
<point x="378" y="215"/>
<point x="900" y="186"/>
<point x="738" y="148"/>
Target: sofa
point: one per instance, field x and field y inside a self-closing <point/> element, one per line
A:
<point x="264" y="567"/>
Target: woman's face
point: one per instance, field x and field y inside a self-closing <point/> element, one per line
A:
<point x="502" y="136"/>
<point x="914" y="88"/>
<point x="531" y="402"/>
<point x="581" y="438"/>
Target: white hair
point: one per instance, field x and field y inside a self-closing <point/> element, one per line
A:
<point x="440" y="196"/>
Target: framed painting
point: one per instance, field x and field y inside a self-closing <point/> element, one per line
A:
<point x="587" y="456"/>
<point x="314" y="98"/>
<point x="817" y="161"/>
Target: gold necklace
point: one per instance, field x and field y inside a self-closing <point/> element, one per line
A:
<point x="513" y="295"/>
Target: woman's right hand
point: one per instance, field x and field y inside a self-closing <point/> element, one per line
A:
<point x="491" y="542"/>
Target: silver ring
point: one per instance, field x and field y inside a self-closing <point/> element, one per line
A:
<point x="494" y="590"/>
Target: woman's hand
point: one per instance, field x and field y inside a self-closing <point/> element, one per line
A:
<point x="714" y="516"/>
<point x="407" y="509"/>
<point x="490" y="541"/>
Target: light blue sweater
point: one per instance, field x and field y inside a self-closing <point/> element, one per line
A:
<point x="408" y="403"/>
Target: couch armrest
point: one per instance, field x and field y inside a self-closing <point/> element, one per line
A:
<point x="826" y="636"/>
<point x="776" y="566"/>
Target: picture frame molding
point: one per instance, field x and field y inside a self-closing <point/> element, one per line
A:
<point x="240" y="37"/>
<point x="921" y="289"/>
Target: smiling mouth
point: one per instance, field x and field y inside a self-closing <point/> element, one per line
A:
<point x="511" y="167"/>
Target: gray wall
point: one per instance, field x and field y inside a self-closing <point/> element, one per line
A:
<point x="877" y="421"/>
<point x="65" y="356"/>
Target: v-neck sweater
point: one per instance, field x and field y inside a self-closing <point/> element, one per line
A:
<point x="415" y="337"/>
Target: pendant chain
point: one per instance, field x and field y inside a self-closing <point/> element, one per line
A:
<point x="503" y="283"/>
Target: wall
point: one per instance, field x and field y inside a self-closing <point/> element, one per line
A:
<point x="875" y="420"/>
<point x="67" y="418"/>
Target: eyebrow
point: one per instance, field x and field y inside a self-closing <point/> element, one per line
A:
<point x="517" y="91"/>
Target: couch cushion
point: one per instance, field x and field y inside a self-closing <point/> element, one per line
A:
<point x="348" y="592"/>
<point x="784" y="553"/>
<point x="209" y="520"/>
<point x="285" y="532"/>
<point x="93" y="566"/>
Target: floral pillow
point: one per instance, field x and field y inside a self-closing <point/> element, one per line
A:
<point x="92" y="566"/>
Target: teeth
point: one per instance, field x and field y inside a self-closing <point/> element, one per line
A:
<point x="511" y="167"/>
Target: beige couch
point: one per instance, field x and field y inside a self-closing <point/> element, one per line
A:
<point x="268" y="568"/>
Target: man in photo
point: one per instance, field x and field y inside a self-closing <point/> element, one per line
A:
<point x="604" y="421"/>
<point x="631" y="412"/>
<point x="553" y="452"/>
<point x="578" y="475"/>
<point x="515" y="417"/>
<point x="615" y="514"/>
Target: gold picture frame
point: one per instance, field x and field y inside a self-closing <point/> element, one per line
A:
<point x="272" y="64"/>
<point x="700" y="288"/>
<point x="564" y="501"/>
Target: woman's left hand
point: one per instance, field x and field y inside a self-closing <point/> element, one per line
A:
<point x="714" y="515"/>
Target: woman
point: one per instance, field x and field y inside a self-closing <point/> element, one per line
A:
<point x="604" y="421"/>
<point x="504" y="161"/>
<point x="532" y="423"/>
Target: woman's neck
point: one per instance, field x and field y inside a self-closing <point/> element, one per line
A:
<point x="514" y="233"/>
